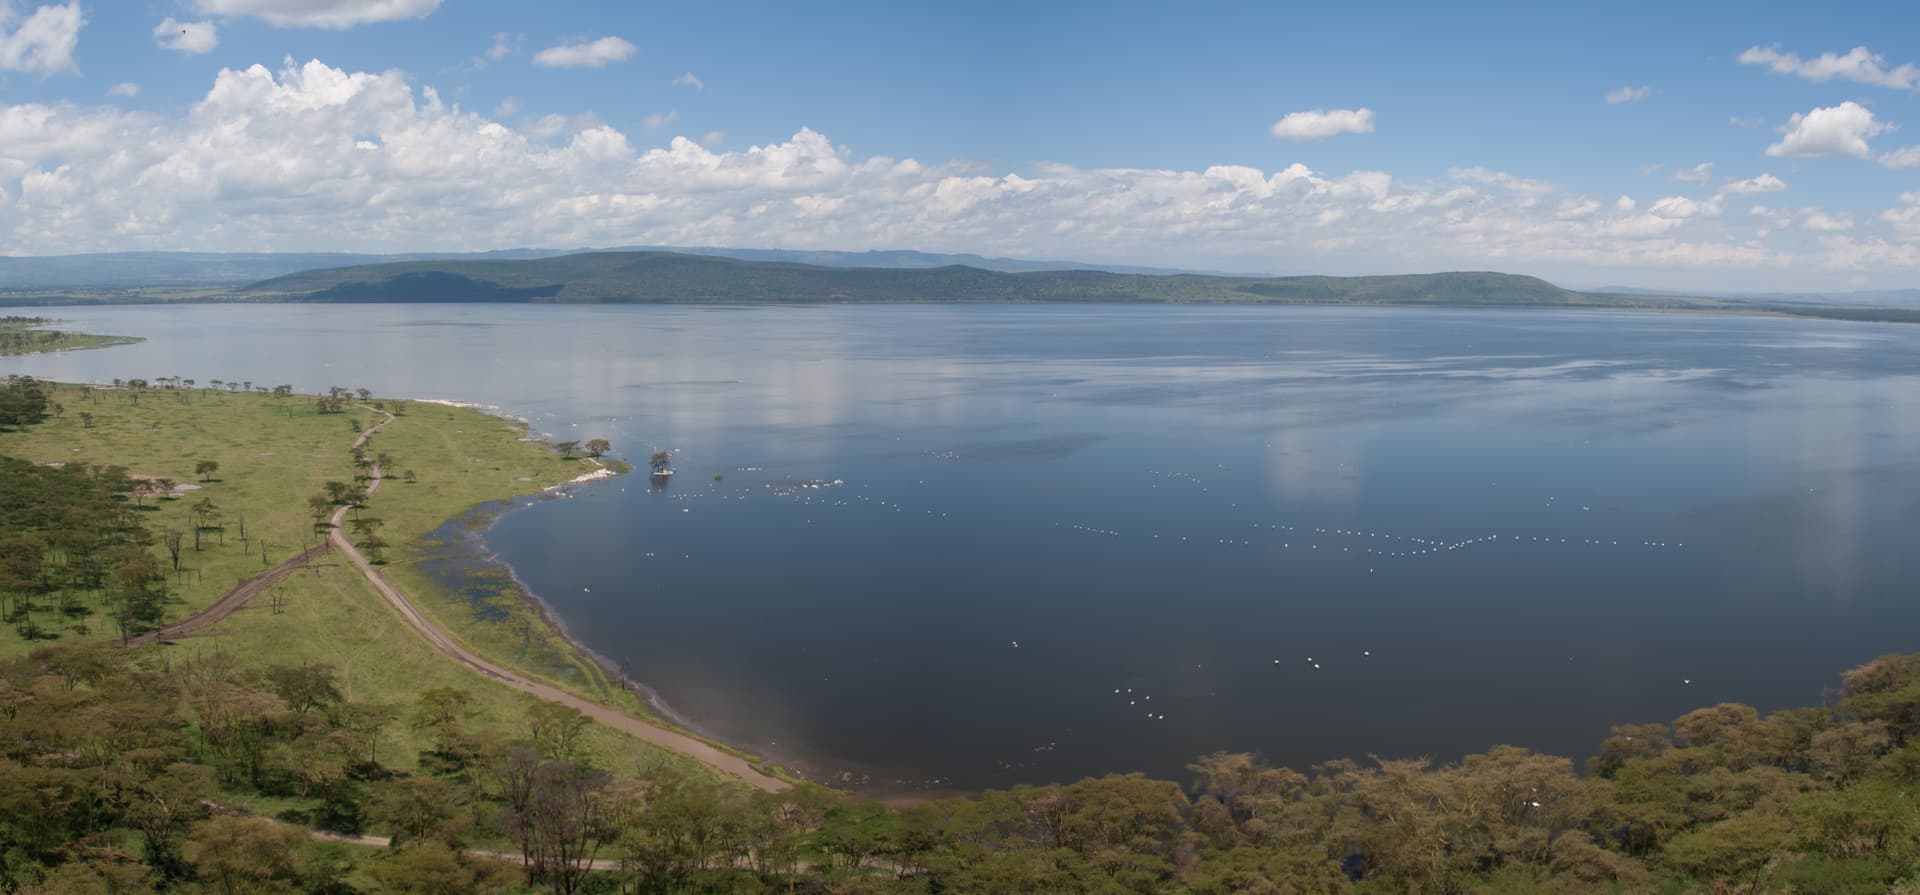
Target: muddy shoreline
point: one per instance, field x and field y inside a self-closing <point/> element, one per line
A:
<point x="457" y="550"/>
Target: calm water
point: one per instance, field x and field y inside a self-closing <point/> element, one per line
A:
<point x="981" y="545"/>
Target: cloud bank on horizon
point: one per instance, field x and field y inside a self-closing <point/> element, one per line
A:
<point x="305" y="154"/>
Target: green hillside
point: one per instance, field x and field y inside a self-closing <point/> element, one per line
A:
<point x="675" y="277"/>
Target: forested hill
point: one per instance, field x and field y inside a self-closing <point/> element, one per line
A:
<point x="677" y="277"/>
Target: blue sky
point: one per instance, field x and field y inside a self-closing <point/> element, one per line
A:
<point x="1434" y="136"/>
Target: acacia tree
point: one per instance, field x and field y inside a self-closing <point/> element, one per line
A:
<point x="562" y="824"/>
<point x="598" y="447"/>
<point x="567" y="449"/>
<point x="205" y="516"/>
<point x="556" y="729"/>
<point x="206" y="468"/>
<point x="136" y="596"/>
<point x="660" y="461"/>
<point x="243" y="854"/>
<point x="368" y="530"/>
<point x="442" y="714"/>
<point x="321" y="506"/>
<point x="304" y="687"/>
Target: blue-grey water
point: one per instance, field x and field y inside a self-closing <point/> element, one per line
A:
<point x="978" y="545"/>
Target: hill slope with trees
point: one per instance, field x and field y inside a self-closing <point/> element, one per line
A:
<point x="677" y="277"/>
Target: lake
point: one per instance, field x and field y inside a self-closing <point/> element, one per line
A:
<point x="961" y="546"/>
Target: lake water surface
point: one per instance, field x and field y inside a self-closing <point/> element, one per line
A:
<point x="980" y="545"/>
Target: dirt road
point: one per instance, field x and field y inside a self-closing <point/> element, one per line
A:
<point x="705" y="753"/>
<point x="698" y="750"/>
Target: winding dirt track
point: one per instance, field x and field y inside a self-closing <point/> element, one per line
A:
<point x="700" y="751"/>
<point x="247" y="589"/>
<point x="705" y="753"/>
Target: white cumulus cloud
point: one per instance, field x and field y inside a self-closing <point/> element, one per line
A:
<point x="1858" y="64"/>
<point x="586" y="53"/>
<point x="1828" y="131"/>
<point x="1628" y="95"/>
<point x="1847" y="253"/>
<point x="1765" y="183"/>
<point x="191" y="38"/>
<point x="124" y="88"/>
<point x="1683" y="207"/>
<point x="1905" y="218"/>
<point x="1320" y="124"/>
<point x="1820" y="221"/>
<point x="44" y="41"/>
<point x="1500" y="179"/>
<point x="1902" y="158"/>
<point x="313" y="157"/>
<point x="504" y="44"/>
<point x="320" y="13"/>
<point x="1700" y="173"/>
<point x="713" y="138"/>
<point x="690" y="79"/>
<point x="657" y="120"/>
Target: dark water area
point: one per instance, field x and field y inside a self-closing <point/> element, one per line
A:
<point x="981" y="545"/>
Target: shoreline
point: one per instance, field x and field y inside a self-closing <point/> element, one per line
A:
<point x="462" y="541"/>
<point x="464" y="536"/>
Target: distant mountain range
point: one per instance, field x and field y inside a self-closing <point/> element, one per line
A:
<point x="771" y="276"/>
<point x="133" y="270"/>
<point x="648" y="276"/>
<point x="99" y="275"/>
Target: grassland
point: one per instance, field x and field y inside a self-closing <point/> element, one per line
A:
<point x="461" y="458"/>
<point x="275" y="451"/>
<point x="272" y="453"/>
<point x="330" y="615"/>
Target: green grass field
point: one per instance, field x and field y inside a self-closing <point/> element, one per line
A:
<point x="330" y="615"/>
<point x="274" y="453"/>
<point x="462" y="458"/>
